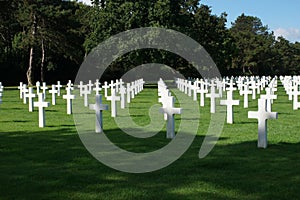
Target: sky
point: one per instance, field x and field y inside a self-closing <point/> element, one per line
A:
<point x="282" y="17"/>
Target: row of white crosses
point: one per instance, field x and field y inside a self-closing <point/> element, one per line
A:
<point x="291" y="85"/>
<point x="116" y="88"/>
<point x="41" y="104"/>
<point x="168" y="108"/>
<point x="255" y="84"/>
<point x="126" y="94"/>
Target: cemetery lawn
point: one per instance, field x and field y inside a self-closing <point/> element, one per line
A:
<point x="52" y="163"/>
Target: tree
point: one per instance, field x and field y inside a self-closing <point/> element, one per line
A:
<point x="48" y="26"/>
<point x="254" y="43"/>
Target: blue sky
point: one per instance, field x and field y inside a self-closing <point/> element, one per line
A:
<point x="282" y="17"/>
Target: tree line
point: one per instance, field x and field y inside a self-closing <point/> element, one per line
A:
<point x="47" y="40"/>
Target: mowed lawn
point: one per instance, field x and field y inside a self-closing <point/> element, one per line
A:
<point x="52" y="163"/>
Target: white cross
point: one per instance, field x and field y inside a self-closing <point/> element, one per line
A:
<point x="70" y="85"/>
<point x="90" y="86"/>
<point x="24" y="90"/>
<point x="189" y="85"/>
<point x="105" y="87"/>
<point x="128" y="89"/>
<point x="69" y="97"/>
<point x="195" y="88"/>
<point x="58" y="86"/>
<point x="170" y="111"/>
<point x="253" y="87"/>
<point x="30" y="95"/>
<point x="44" y="88"/>
<point x="80" y="86"/>
<point x="164" y="94"/>
<point x="113" y="98"/>
<point x="258" y="85"/>
<point x="97" y="88"/>
<point x="122" y="93"/>
<point x="295" y="94"/>
<point x="231" y="86"/>
<point x="212" y="95"/>
<point x="186" y="85"/>
<point x="121" y="82"/>
<point x="202" y="92"/>
<point x="245" y="92"/>
<point x="98" y="107"/>
<point x="135" y="87"/>
<point x="112" y="85"/>
<point x="220" y="88"/>
<point x="53" y="91"/>
<point x="85" y="94"/>
<point x="269" y="97"/>
<point x="117" y="86"/>
<point x="38" y="85"/>
<point x="41" y="104"/>
<point x="132" y="88"/>
<point x="229" y="102"/>
<point x="20" y="87"/>
<point x="262" y="115"/>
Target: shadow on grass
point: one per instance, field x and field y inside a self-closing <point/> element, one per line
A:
<point x="55" y="165"/>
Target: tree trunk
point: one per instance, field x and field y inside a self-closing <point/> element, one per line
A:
<point x="30" y="71"/>
<point x="43" y="62"/>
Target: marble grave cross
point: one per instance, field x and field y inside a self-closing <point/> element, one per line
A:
<point x="262" y="115"/>
<point x="113" y="98"/>
<point x="98" y="107"/>
<point x="213" y="95"/>
<point x="53" y="92"/>
<point x="41" y="104"/>
<point x="229" y="102"/>
<point x="170" y="110"/>
<point x="85" y="92"/>
<point x="30" y="95"/>
<point x="69" y="97"/>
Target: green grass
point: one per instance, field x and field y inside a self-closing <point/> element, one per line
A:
<point x="52" y="163"/>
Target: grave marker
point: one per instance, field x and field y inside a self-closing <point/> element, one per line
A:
<point x="69" y="97"/>
<point x="212" y="95"/>
<point x="44" y="88"/>
<point x="53" y="92"/>
<point x="20" y="87"/>
<point x="105" y="87"/>
<point x="38" y="85"/>
<point x="85" y="92"/>
<point x="262" y="115"/>
<point x="229" y="102"/>
<point x="80" y="86"/>
<point x="98" y="107"/>
<point x="113" y="98"/>
<point x="122" y="93"/>
<point x="245" y="92"/>
<point x="30" y="95"/>
<point x="58" y="86"/>
<point x="24" y="90"/>
<point x="90" y="86"/>
<point x="170" y="110"/>
<point x="98" y="87"/>
<point x="128" y="89"/>
<point x="41" y="104"/>
<point x="269" y="97"/>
